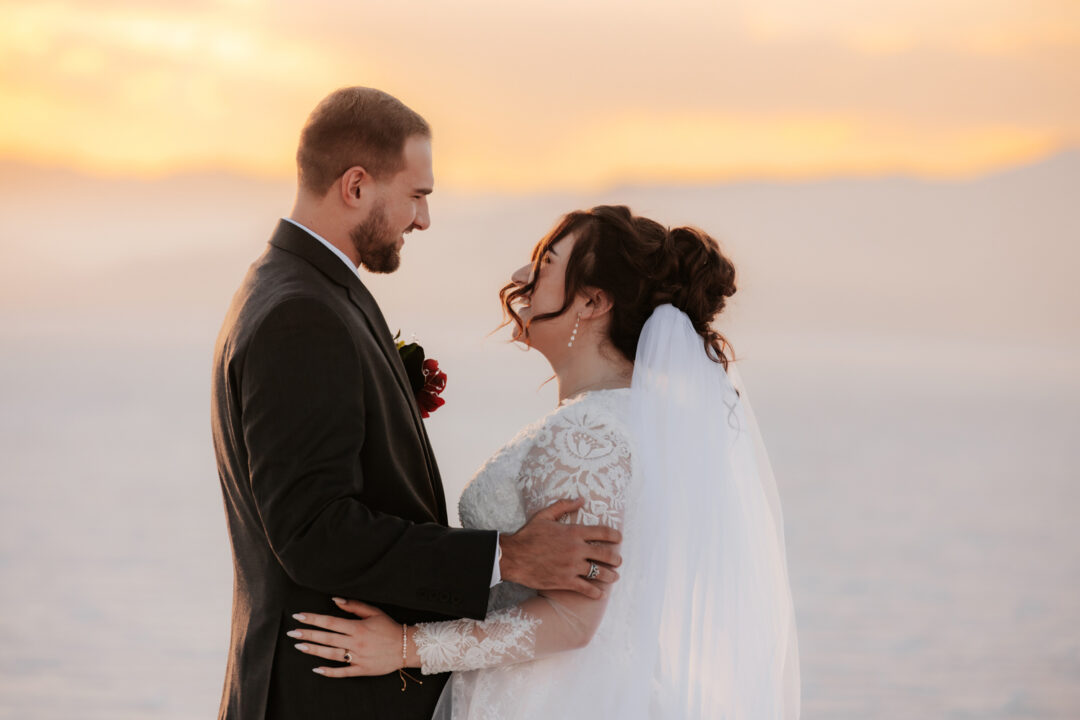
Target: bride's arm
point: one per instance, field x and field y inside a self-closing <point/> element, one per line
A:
<point x="580" y="455"/>
<point x="546" y="624"/>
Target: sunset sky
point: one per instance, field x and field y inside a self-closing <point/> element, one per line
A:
<point x="529" y="96"/>
<point x="909" y="344"/>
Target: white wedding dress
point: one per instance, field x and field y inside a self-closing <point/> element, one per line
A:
<point x="582" y="449"/>
<point x="700" y="624"/>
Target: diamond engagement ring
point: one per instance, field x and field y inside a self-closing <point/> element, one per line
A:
<point x="348" y="657"/>
<point x="593" y="571"/>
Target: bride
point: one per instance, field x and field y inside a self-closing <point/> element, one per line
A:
<point x="653" y="432"/>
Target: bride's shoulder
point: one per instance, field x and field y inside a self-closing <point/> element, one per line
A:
<point x="584" y="442"/>
<point x="594" y="413"/>
<point x="609" y="406"/>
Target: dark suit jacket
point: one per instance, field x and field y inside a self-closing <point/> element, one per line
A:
<point x="330" y="487"/>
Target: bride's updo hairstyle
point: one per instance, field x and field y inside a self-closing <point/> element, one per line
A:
<point x="641" y="265"/>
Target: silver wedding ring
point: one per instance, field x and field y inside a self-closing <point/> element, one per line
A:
<point x="594" y="570"/>
<point x="348" y="657"/>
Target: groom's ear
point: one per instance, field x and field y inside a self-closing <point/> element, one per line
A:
<point x="354" y="183"/>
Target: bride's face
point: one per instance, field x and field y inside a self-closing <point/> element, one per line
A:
<point x="549" y="336"/>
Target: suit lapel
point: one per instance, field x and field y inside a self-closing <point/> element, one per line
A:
<point x="294" y="240"/>
<point x="297" y="241"/>
<point x="362" y="298"/>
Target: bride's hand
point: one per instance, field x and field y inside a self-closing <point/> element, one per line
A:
<point x="373" y="642"/>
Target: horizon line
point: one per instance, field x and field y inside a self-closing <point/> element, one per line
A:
<point x="701" y="180"/>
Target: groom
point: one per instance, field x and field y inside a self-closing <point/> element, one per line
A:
<point x="329" y="481"/>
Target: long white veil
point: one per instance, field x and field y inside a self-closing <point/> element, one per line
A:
<point x="700" y="625"/>
<point x="714" y="630"/>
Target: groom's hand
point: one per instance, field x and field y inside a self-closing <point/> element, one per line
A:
<point x="546" y="554"/>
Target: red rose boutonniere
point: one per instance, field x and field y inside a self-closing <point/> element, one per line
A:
<point x="427" y="380"/>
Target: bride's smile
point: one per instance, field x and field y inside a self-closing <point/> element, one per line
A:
<point x="547" y="318"/>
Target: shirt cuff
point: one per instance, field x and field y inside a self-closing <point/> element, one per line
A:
<point x="496" y="575"/>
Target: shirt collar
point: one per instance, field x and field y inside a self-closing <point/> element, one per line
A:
<point x="344" y="258"/>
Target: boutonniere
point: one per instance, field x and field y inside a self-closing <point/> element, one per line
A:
<point x="427" y="380"/>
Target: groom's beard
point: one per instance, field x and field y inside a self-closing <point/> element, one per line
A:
<point x="376" y="243"/>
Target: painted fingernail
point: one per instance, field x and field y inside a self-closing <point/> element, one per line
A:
<point x="301" y="647"/>
<point x="299" y="616"/>
<point x="295" y="633"/>
<point x="339" y="601"/>
<point x="318" y="671"/>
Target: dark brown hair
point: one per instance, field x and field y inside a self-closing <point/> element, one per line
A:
<point x="640" y="264"/>
<point x="355" y="126"/>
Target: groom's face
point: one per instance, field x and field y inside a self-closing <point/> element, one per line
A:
<point x="401" y="207"/>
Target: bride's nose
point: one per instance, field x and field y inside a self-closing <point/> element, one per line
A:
<point x="522" y="275"/>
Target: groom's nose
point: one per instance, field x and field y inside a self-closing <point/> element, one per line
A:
<point x="422" y="221"/>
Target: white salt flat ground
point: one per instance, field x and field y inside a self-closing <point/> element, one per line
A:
<point x="932" y="545"/>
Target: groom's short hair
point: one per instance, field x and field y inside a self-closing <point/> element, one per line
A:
<point x="355" y="126"/>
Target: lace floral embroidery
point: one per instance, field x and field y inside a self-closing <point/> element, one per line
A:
<point x="506" y="636"/>
<point x="581" y="453"/>
<point x="581" y="450"/>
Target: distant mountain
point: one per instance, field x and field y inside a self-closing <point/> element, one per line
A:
<point x="991" y="256"/>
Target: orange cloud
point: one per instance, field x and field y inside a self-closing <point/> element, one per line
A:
<point x="549" y="95"/>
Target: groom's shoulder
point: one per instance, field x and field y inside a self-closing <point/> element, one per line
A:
<point x="276" y="287"/>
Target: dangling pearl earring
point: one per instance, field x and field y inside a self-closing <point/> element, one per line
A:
<point x="573" y="334"/>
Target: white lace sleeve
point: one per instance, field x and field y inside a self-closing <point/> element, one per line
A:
<point x="580" y="452"/>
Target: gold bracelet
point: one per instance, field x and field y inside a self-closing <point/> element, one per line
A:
<point x="405" y="659"/>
